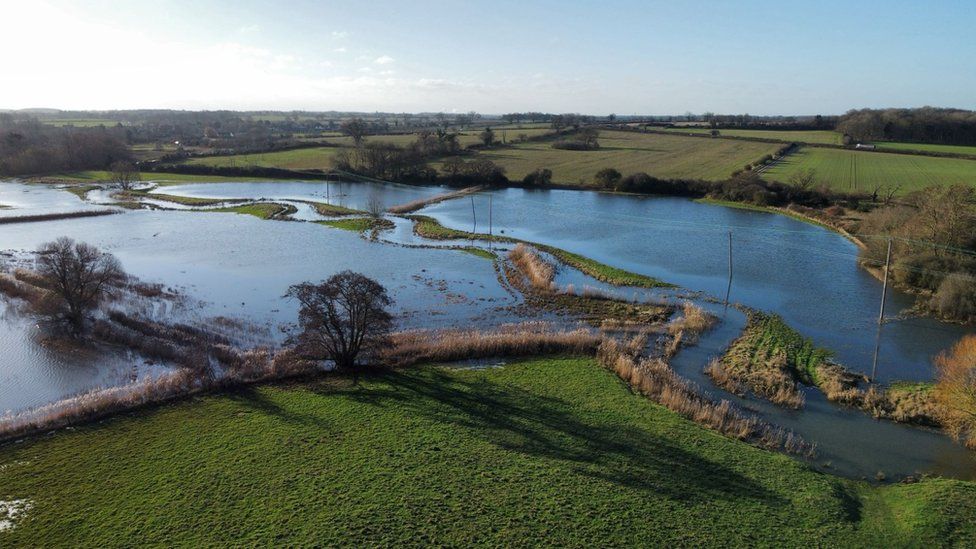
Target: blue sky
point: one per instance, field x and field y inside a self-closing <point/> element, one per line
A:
<point x="594" y="57"/>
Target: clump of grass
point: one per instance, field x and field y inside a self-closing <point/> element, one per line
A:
<point x="135" y="195"/>
<point x="359" y="224"/>
<point x="526" y="339"/>
<point x="693" y="321"/>
<point x="539" y="272"/>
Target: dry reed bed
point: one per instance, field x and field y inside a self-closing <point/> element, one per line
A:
<point x="540" y="273"/>
<point x="654" y="378"/>
<point x="253" y="366"/>
<point x="415" y="205"/>
<point x="526" y="339"/>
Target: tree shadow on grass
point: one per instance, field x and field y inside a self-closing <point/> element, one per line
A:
<point x="550" y="428"/>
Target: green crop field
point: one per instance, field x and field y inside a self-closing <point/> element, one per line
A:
<point x="809" y="136"/>
<point x="847" y="170"/>
<point x="465" y="138"/>
<point x="296" y="159"/>
<point x="545" y="452"/>
<point x="659" y="155"/>
<point x="927" y="147"/>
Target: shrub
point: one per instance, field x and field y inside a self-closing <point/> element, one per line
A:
<point x="607" y="178"/>
<point x="956" y="298"/>
<point x="539" y="178"/>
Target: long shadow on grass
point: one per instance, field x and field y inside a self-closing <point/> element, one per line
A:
<point x="551" y="428"/>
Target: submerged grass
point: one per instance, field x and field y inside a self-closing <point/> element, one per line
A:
<point x="261" y="210"/>
<point x="543" y="452"/>
<point x="358" y="224"/>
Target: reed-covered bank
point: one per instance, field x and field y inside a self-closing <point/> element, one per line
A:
<point x="772" y="360"/>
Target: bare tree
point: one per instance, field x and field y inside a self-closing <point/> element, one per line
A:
<point x="356" y="128"/>
<point x="124" y="174"/>
<point x="78" y="276"/>
<point x="342" y="318"/>
<point x="375" y="206"/>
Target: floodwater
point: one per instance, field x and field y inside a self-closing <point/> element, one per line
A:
<point x="803" y="272"/>
<point x="240" y="267"/>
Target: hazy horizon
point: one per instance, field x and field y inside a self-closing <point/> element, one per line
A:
<point x="652" y="58"/>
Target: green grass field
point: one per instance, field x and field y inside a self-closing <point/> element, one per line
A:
<point x="927" y="147"/>
<point x="552" y="451"/>
<point x="659" y="155"/>
<point x="296" y="159"/>
<point x="163" y="179"/>
<point x="846" y="170"/>
<point x="811" y="136"/>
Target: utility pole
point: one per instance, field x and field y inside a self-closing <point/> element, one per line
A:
<point x="728" y="291"/>
<point x="489" y="223"/>
<point x="474" y="219"/>
<point x="884" y="294"/>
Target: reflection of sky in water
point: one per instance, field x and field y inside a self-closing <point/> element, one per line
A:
<point x="803" y="272"/>
<point x="241" y="266"/>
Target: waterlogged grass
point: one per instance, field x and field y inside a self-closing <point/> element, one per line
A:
<point x="664" y="156"/>
<point x="479" y="252"/>
<point x="550" y="451"/>
<point x="429" y="227"/>
<point x="261" y="210"/>
<point x="358" y="224"/>
<point x="846" y="170"/>
<point x="81" y="191"/>
<point x="333" y="210"/>
<point x="603" y="272"/>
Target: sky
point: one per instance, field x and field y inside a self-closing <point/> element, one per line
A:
<point x="640" y="57"/>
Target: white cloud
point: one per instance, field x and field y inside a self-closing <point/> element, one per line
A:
<point x="249" y="29"/>
<point x="340" y="50"/>
<point x="339" y="35"/>
<point x="384" y="60"/>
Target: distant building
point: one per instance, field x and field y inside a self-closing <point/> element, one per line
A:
<point x="865" y="146"/>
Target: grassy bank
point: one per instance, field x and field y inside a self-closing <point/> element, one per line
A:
<point x="554" y="452"/>
<point x="261" y="210"/>
<point x="358" y="224"/>
<point x="428" y="227"/>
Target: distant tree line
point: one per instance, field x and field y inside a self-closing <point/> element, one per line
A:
<point x="923" y="125"/>
<point x="29" y="147"/>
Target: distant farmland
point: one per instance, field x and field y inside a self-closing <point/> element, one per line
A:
<point x="928" y="147"/>
<point x="297" y="159"/>
<point x="847" y="170"/>
<point x="810" y="136"/>
<point x="659" y="155"/>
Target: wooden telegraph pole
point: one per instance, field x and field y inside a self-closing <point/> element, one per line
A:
<point x="489" y="223"/>
<point x="728" y="291"/>
<point x="884" y="294"/>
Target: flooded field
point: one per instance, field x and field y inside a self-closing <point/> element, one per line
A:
<point x="239" y="266"/>
<point x="803" y="272"/>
